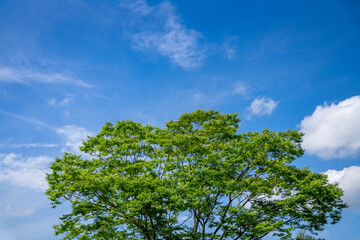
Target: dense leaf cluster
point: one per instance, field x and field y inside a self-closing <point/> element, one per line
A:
<point x="198" y="178"/>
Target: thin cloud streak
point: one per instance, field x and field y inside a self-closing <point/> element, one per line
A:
<point x="29" y="145"/>
<point x="72" y="134"/>
<point x="29" y="172"/>
<point x="27" y="77"/>
<point x="27" y="119"/>
<point x="17" y="212"/>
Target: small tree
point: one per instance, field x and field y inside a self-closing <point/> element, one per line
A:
<point x="305" y="236"/>
<point x="195" y="179"/>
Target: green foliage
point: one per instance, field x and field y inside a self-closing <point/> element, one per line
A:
<point x="198" y="178"/>
<point x="304" y="236"/>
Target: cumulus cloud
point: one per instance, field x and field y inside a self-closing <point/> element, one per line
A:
<point x="333" y="131"/>
<point x="74" y="136"/>
<point x="161" y="31"/>
<point x="262" y="106"/>
<point x="24" y="172"/>
<point x="26" y="76"/>
<point x="348" y="180"/>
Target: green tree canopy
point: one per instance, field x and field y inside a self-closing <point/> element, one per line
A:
<point x="197" y="178"/>
<point x="304" y="236"/>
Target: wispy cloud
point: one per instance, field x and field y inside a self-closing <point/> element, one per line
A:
<point x="24" y="172"/>
<point x="161" y="31"/>
<point x="74" y="136"/>
<point x="333" y="131"/>
<point x="30" y="172"/>
<point x="27" y="77"/>
<point x="29" y="145"/>
<point x="27" y="119"/>
<point x="138" y="7"/>
<point x="18" y="212"/>
<point x="62" y="103"/>
<point x="276" y="43"/>
<point x="262" y="106"/>
<point x="216" y="96"/>
<point x="241" y="89"/>
<point x="229" y="47"/>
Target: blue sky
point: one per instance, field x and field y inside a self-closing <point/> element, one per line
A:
<point x="68" y="66"/>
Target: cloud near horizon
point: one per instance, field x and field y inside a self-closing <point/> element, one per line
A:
<point x="160" y="30"/>
<point x="333" y="131"/>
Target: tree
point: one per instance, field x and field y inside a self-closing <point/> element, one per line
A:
<point x="197" y="178"/>
<point x="305" y="236"/>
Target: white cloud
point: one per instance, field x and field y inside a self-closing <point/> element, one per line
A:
<point x="25" y="76"/>
<point x="74" y="136"/>
<point x="348" y="180"/>
<point x="24" y="172"/>
<point x="262" y="106"/>
<point x="333" y="131"/>
<point x="162" y="31"/>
